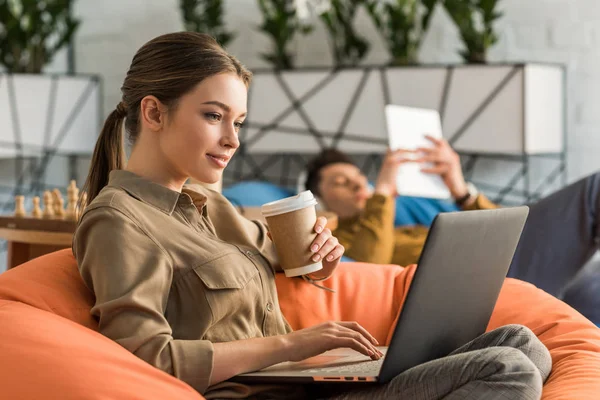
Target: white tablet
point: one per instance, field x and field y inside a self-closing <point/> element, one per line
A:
<point x="406" y="128"/>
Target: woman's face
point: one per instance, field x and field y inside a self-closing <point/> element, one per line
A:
<point x="202" y="131"/>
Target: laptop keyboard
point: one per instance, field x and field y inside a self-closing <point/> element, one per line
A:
<point x="361" y="368"/>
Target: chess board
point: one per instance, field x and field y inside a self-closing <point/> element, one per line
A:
<point x="37" y="224"/>
<point x="47" y="226"/>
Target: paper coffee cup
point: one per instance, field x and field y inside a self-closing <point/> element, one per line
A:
<point x="291" y="222"/>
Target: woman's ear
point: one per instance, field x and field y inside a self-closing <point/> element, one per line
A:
<point x="152" y="113"/>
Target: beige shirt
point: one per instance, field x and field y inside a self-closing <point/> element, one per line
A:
<point x="175" y="272"/>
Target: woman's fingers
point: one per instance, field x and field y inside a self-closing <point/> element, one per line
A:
<point x="320" y="240"/>
<point x="353" y="344"/>
<point x="320" y="224"/>
<point x="355" y="326"/>
<point x="347" y="337"/>
<point x="327" y="248"/>
<point x="336" y="253"/>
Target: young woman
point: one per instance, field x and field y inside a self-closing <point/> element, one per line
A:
<point x="185" y="283"/>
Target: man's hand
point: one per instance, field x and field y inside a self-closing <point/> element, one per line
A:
<point x="445" y="163"/>
<point x="386" y="180"/>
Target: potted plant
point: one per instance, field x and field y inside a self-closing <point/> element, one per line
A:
<point x="475" y="21"/>
<point x="348" y="47"/>
<point x="281" y="23"/>
<point x="33" y="32"/>
<point x="206" y="16"/>
<point x="42" y="115"/>
<point x="403" y="24"/>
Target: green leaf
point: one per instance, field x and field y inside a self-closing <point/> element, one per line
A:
<point x="29" y="40"/>
<point x="206" y="16"/>
<point x="281" y="24"/>
<point x="477" y="43"/>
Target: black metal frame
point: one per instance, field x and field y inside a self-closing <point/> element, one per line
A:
<point x="36" y="171"/>
<point x="31" y="170"/>
<point x="246" y="160"/>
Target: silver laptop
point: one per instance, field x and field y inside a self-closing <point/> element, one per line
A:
<point x="451" y="298"/>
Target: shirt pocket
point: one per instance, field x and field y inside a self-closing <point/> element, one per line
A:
<point x="230" y="286"/>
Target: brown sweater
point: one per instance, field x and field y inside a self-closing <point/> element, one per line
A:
<point x="371" y="237"/>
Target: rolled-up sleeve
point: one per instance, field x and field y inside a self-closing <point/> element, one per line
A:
<point x="371" y="238"/>
<point x="130" y="275"/>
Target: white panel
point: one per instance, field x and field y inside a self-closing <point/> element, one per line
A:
<point x="301" y="82"/>
<point x="544" y="109"/>
<point x="267" y="99"/>
<point x="293" y="121"/>
<point x="280" y="142"/>
<point x="416" y="87"/>
<point x="6" y="126"/>
<point x="32" y="97"/>
<point x="68" y="92"/>
<point x="327" y="107"/>
<point x="83" y="129"/>
<point x="367" y="119"/>
<point x="469" y="88"/>
<point x="498" y="129"/>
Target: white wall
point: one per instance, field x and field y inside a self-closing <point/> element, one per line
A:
<point x="565" y="31"/>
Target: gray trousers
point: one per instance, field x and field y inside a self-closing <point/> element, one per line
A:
<point x="507" y="363"/>
<point x="560" y="236"/>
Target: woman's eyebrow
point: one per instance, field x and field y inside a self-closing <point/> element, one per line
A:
<point x="222" y="105"/>
<point x="219" y="104"/>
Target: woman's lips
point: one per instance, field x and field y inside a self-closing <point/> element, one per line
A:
<point x="219" y="161"/>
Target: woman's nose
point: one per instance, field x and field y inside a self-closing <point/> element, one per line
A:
<point x="231" y="139"/>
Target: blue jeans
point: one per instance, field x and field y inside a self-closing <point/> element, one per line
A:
<point x="561" y="235"/>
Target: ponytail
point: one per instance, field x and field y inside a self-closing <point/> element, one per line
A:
<point x="109" y="153"/>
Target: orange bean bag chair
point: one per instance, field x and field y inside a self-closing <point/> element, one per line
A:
<point x="49" y="347"/>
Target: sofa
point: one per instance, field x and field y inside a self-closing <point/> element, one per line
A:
<point x="49" y="346"/>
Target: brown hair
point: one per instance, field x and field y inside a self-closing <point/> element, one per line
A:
<point x="167" y="67"/>
<point x="323" y="159"/>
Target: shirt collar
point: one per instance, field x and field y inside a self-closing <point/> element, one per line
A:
<point x="152" y="193"/>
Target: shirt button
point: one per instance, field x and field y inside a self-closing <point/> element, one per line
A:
<point x="269" y="307"/>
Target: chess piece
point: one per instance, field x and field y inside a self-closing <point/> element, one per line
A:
<point x="59" y="204"/>
<point x="48" y="205"/>
<point x="37" y="211"/>
<point x="72" y="198"/>
<point x="19" y="206"/>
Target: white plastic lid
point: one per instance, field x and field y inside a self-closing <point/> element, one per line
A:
<point x="289" y="204"/>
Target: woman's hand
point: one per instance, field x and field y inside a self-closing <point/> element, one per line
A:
<point x="326" y="248"/>
<point x="445" y="162"/>
<point x="318" y="339"/>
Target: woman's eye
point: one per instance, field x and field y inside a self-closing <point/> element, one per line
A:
<point x="213" y="116"/>
<point x="238" y="125"/>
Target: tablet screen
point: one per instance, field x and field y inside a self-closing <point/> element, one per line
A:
<point x="407" y="127"/>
